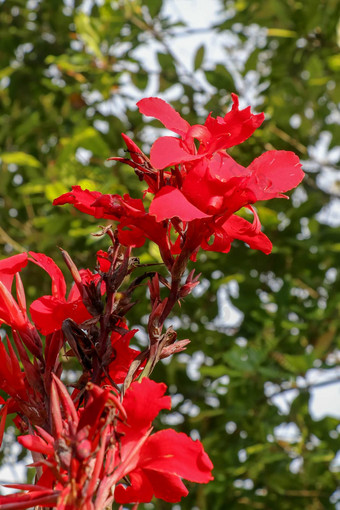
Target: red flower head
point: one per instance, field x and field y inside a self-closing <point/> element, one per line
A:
<point x="197" y="197"/>
<point x="216" y="134"/>
<point x="94" y="448"/>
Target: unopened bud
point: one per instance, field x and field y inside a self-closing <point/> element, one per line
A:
<point x="174" y="348"/>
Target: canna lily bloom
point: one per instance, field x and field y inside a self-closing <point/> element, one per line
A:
<point x="92" y="449"/>
<point x="72" y="459"/>
<point x="210" y="186"/>
<point x="216" y="134"/>
<point x="135" y="224"/>
<point x="196" y="200"/>
<point x="164" y="457"/>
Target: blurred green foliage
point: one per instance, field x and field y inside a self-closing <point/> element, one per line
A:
<point x="69" y="79"/>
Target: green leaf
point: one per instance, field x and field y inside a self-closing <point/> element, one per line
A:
<point x="199" y="57"/>
<point x="19" y="158"/>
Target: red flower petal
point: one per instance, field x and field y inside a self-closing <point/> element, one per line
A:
<point x="140" y="491"/>
<point x="10" y="266"/>
<point x="48" y="313"/>
<point x="81" y="200"/>
<point x="156" y="107"/>
<point x="170" y="202"/>
<point x="57" y="277"/>
<point x="239" y="124"/>
<point x="273" y="173"/>
<point x="173" y="452"/>
<point x="147" y="483"/>
<point x="219" y="241"/>
<point x="123" y="355"/>
<point x="168" y="150"/>
<point x="239" y="228"/>
<point x="216" y="186"/>
<point x="143" y="401"/>
<point x="166" y="486"/>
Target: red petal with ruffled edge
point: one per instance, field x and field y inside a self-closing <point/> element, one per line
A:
<point x="174" y="452"/>
<point x="239" y="228"/>
<point x="161" y="110"/>
<point x="273" y="173"/>
<point x="81" y="199"/>
<point x="170" y="203"/>
<point x="239" y="124"/>
<point x="142" y="402"/>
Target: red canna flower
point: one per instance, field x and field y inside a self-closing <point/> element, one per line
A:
<point x="164" y="458"/>
<point x="216" y="134"/>
<point x="75" y="474"/>
<point x="49" y="312"/>
<point x="195" y="200"/>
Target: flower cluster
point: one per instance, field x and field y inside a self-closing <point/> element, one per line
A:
<point x="94" y="444"/>
<point x="197" y="186"/>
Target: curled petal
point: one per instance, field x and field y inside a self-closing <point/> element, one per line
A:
<point x="82" y="199"/>
<point x="239" y="228"/>
<point x="57" y="277"/>
<point x="10" y="266"/>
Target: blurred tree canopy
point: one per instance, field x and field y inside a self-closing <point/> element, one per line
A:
<point x="70" y="75"/>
